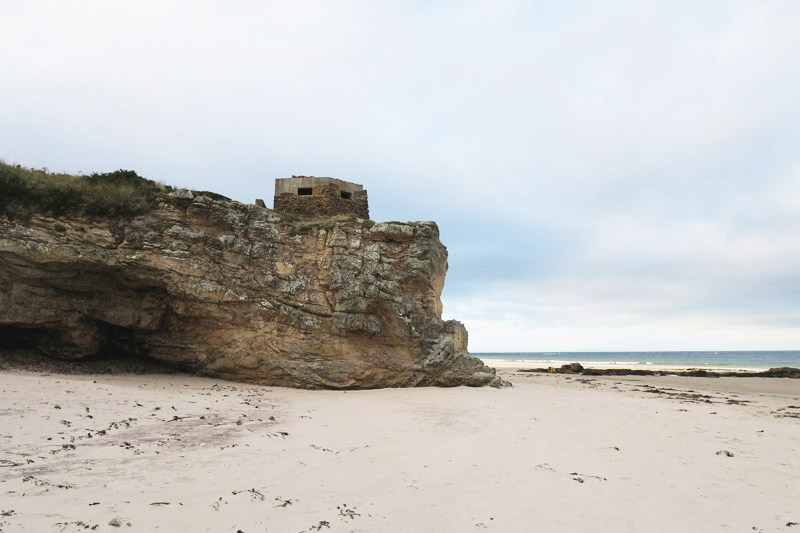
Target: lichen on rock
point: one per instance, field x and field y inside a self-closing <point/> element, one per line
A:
<point x="239" y="292"/>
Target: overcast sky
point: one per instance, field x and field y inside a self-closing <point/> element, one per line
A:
<point x="617" y="175"/>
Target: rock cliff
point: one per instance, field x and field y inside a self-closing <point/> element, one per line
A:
<point x="238" y="292"/>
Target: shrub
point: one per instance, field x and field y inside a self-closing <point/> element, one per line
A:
<point x="123" y="193"/>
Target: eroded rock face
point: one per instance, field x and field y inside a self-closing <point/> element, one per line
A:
<point x="239" y="292"/>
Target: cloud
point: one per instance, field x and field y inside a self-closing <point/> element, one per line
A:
<point x="626" y="170"/>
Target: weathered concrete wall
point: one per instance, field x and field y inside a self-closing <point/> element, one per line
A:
<point x="290" y="185"/>
<point x="326" y="199"/>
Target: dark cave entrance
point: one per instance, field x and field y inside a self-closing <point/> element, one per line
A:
<point x="12" y="338"/>
<point x="121" y="353"/>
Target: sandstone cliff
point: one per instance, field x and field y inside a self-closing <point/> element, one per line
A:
<point x="239" y="292"/>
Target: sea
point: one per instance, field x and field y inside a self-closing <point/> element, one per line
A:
<point x="720" y="360"/>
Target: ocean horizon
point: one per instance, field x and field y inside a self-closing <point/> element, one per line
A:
<point x="677" y="360"/>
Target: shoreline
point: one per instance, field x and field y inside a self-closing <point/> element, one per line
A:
<point x="591" y="364"/>
<point x="674" y="361"/>
<point x="654" y="367"/>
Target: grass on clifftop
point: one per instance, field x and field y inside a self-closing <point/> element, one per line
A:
<point x="123" y="193"/>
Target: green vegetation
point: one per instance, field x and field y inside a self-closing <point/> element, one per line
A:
<point x="123" y="193"/>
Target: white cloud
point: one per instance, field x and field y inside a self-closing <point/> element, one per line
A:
<point x="622" y="164"/>
<point x="553" y="321"/>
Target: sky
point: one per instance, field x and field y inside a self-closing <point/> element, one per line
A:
<point x="607" y="176"/>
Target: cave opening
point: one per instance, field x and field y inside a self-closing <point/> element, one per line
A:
<point x="12" y="338"/>
<point x="121" y="353"/>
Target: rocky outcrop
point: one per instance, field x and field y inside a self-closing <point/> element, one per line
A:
<point x="572" y="368"/>
<point x="239" y="292"/>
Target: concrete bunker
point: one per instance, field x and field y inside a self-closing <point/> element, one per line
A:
<point x="309" y="195"/>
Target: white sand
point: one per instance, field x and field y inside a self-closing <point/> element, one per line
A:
<point x="554" y="453"/>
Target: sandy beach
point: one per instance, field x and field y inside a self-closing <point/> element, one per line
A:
<point x="553" y="453"/>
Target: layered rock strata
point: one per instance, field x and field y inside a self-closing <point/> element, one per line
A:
<point x="239" y="292"/>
